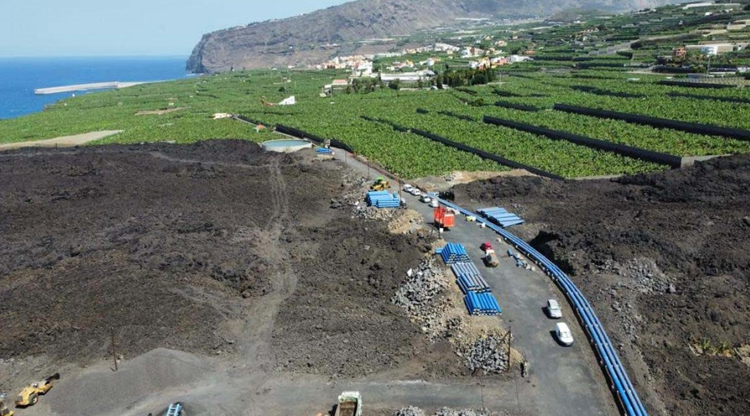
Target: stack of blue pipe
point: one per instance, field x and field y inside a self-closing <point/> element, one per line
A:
<point x="469" y="278"/>
<point x="621" y="384"/>
<point x="383" y="199"/>
<point x="501" y="216"/>
<point x="454" y="253"/>
<point x="324" y="151"/>
<point x="482" y="304"/>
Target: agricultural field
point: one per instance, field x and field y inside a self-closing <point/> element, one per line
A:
<point x="660" y="140"/>
<point x="191" y="102"/>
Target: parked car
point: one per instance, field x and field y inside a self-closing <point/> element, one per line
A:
<point x="416" y="192"/>
<point x="434" y="203"/>
<point x="553" y="309"/>
<point x="426" y="199"/>
<point x="408" y="188"/>
<point x="563" y="334"/>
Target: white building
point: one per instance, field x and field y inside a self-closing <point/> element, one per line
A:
<point x="711" y="49"/>
<point x="444" y="47"/>
<point x="408" y="76"/>
<point x="519" y="58"/>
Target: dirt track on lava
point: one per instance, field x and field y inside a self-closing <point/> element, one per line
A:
<point x="664" y="259"/>
<point x="215" y="248"/>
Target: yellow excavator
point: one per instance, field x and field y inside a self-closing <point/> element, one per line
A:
<point x="381" y="184"/>
<point x="4" y="411"/>
<point x="30" y="394"/>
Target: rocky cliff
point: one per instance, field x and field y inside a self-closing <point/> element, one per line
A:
<point x="361" y="27"/>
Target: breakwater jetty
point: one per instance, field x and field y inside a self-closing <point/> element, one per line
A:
<point x="85" y="87"/>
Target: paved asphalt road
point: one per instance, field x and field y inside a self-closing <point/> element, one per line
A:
<point x="567" y="380"/>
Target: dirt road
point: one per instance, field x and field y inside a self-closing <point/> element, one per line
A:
<point x="65" y="141"/>
<point x="147" y="384"/>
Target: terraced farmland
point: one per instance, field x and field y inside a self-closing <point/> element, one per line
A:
<point x="408" y="155"/>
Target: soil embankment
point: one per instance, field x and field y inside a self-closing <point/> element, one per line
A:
<point x="664" y="260"/>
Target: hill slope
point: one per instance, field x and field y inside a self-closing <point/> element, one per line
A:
<point x="313" y="37"/>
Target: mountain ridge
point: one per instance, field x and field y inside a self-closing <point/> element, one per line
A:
<point x="314" y="37"/>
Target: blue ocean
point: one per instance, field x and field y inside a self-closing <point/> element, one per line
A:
<point x="20" y="76"/>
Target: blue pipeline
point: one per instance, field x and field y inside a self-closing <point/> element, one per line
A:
<point x="610" y="360"/>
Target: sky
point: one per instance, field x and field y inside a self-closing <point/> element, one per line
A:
<point x="46" y="28"/>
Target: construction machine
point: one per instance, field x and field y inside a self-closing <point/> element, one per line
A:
<point x="4" y="411"/>
<point x="381" y="184"/>
<point x="30" y="394"/>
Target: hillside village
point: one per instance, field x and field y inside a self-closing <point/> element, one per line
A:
<point x="698" y="35"/>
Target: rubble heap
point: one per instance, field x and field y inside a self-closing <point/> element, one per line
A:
<point x="489" y="354"/>
<point x="417" y="296"/>
<point x="415" y="411"/>
<point x="409" y="411"/>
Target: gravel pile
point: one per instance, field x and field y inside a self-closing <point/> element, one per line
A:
<point x="490" y="355"/>
<point x="409" y="411"/>
<point x="640" y="275"/>
<point x="417" y="297"/>
<point x="463" y="412"/>
<point x="424" y="284"/>
<point x="415" y="411"/>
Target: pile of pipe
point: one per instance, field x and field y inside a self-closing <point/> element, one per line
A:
<point x="454" y="253"/>
<point x="501" y="216"/>
<point x="468" y="278"/>
<point x="479" y="304"/>
<point x="383" y="199"/>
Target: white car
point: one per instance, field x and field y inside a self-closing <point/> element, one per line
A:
<point x="434" y="203"/>
<point x="563" y="334"/>
<point x="408" y="188"/>
<point x="416" y="192"/>
<point x="426" y="199"/>
<point x="553" y="309"/>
